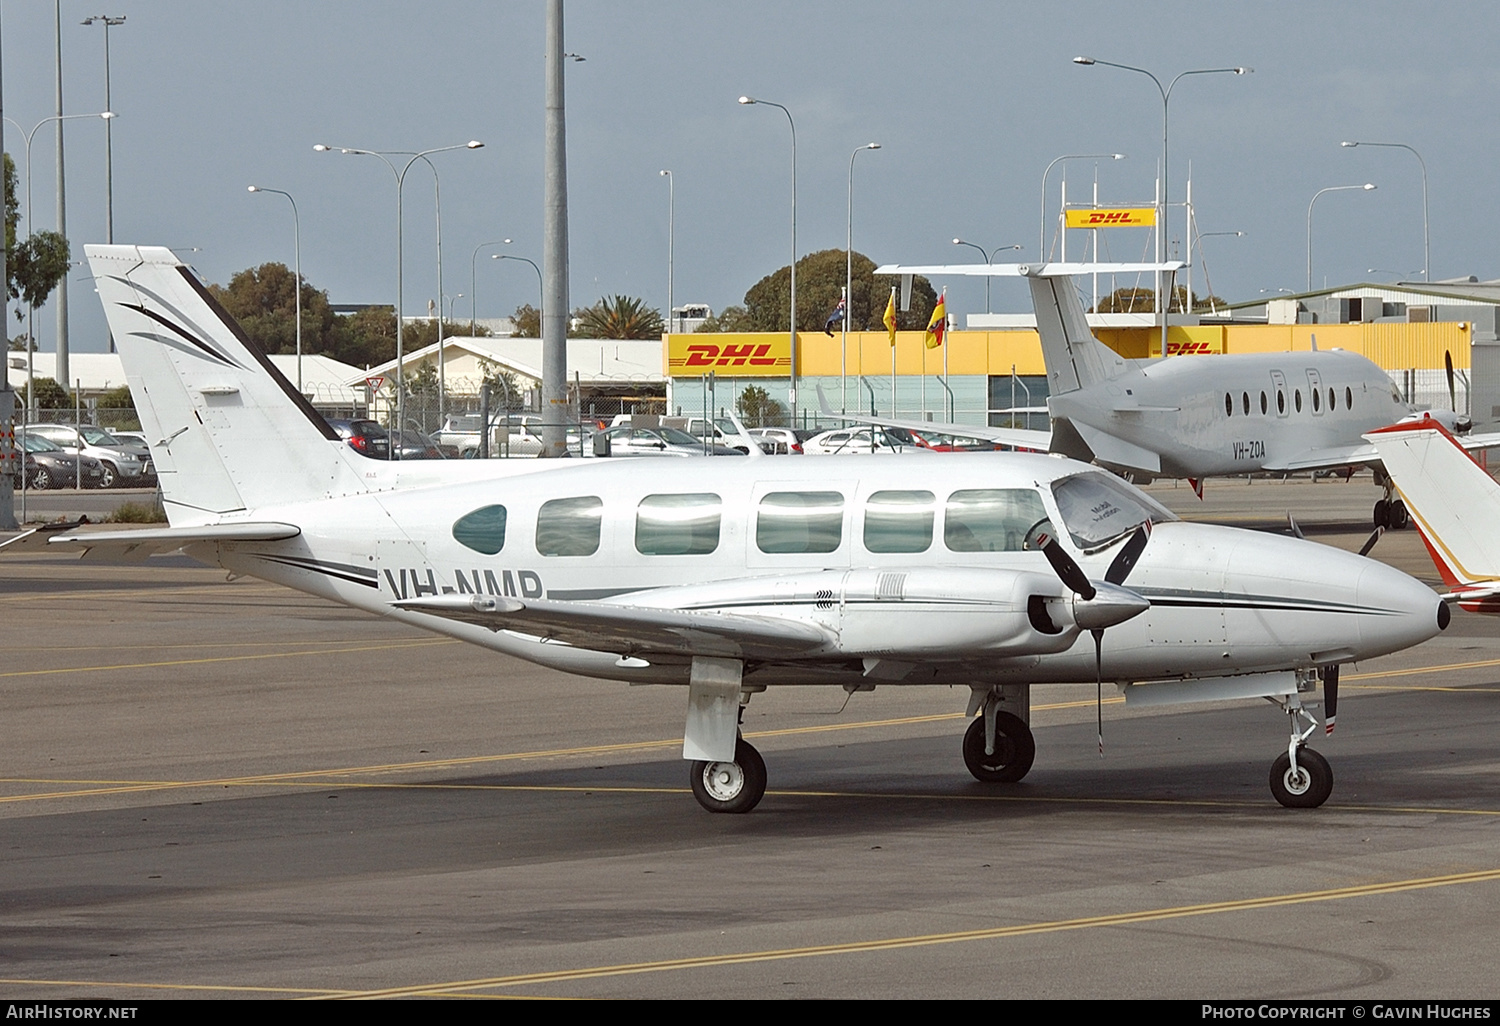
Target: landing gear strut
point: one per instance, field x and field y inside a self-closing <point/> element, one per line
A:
<point x="1390" y="512"/>
<point x="998" y="746"/>
<point x="736" y="786"/>
<point x="1300" y="777"/>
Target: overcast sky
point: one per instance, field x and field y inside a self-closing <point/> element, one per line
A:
<point x="969" y="101"/>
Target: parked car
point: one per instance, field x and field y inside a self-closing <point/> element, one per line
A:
<point x="365" y="437"/>
<point x="49" y="466"/>
<point x="124" y="464"/>
<point x="659" y="441"/>
<point x="777" y="441"/>
<point x="413" y="445"/>
<point x="863" y="440"/>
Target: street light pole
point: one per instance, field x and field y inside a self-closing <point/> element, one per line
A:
<point x="849" y="283"/>
<point x="107" y="116"/>
<point x="792" y="394"/>
<point x="474" y="279"/>
<point x="1041" y="236"/>
<point x="108" y="21"/>
<point x="1332" y="188"/>
<point x="1426" y="240"/>
<point x="297" y="252"/>
<point x="671" y="233"/>
<point x="400" y="177"/>
<point x="1164" y="302"/>
<point x="987" y="262"/>
<point x="541" y="289"/>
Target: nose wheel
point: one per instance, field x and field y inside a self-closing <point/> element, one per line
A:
<point x="1304" y="786"/>
<point x="736" y="786"/>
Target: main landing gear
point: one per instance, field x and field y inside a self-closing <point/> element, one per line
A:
<point x="736" y="786"/>
<point x="1390" y="512"/>
<point x="998" y="746"/>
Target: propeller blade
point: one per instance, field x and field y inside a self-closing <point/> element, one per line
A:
<point x="1070" y="573"/>
<point x="1292" y="525"/>
<point x="1330" y="696"/>
<point x="1370" y="542"/>
<point x="1452" y="392"/>
<point x="1125" y="560"/>
<point x="1099" y="684"/>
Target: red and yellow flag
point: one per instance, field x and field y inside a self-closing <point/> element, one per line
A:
<point x="937" y="325"/>
<point x="889" y="320"/>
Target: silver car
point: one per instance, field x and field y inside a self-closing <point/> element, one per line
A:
<point x="124" y="464"/>
<point x="626" y="440"/>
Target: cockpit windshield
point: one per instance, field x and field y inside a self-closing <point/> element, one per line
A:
<point x="1098" y="508"/>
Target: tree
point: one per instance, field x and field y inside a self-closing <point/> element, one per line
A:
<point x="417" y="334"/>
<point x="619" y="317"/>
<point x="1142" y="300"/>
<point x="366" y="337"/>
<point x="820" y="281"/>
<point x="264" y="301"/>
<point x="49" y="395"/>
<point x="528" y="321"/>
<point x="504" y="386"/>
<point x="731" y="318"/>
<point x="120" y="399"/>
<point x="423" y="382"/>
<point x="756" y="407"/>
<point x="36" y="265"/>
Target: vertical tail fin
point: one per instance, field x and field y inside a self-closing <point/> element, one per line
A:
<point x="1075" y="359"/>
<point x="227" y="431"/>
<point x="1452" y="500"/>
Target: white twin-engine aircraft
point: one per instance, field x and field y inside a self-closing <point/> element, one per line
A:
<point x="995" y="571"/>
<point x="1244" y="413"/>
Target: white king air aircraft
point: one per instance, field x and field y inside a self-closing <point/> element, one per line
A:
<point x="1203" y="417"/>
<point x="999" y="572"/>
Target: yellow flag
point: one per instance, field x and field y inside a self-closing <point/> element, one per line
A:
<point x="938" y="323"/>
<point x="889" y="320"/>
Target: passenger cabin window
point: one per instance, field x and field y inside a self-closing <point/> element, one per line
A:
<point x="898" y="521"/>
<point x="1228" y="405"/>
<point x="1297" y="398"/>
<point x="1317" y="400"/>
<point x="678" y="525"/>
<point x="482" y="530"/>
<point x="569" y="527"/>
<point x="1263" y="402"/>
<point x="1245" y="402"/>
<point x="1332" y="400"/>
<point x="1348" y="398"/>
<point x="991" y="519"/>
<point x="798" y="522"/>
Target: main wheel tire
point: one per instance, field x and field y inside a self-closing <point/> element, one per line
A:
<point x="1381" y="517"/>
<point x="1015" y="749"/>
<point x="1309" y="787"/>
<point x="108" y="476"/>
<point x="736" y="786"/>
<point x="1398" y="515"/>
<point x="41" y="480"/>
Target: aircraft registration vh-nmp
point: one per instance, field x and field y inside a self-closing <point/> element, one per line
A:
<point x="994" y="571"/>
<point x="1246" y="413"/>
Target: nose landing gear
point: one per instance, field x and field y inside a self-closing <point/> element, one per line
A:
<point x="1300" y="777"/>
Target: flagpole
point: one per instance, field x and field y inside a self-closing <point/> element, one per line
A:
<point x="844" y="356"/>
<point x="945" y="355"/>
<point x="893" y="379"/>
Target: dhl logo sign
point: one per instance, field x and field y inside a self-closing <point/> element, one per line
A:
<point x="1124" y="217"/>
<point x="1191" y="348"/>
<point x="749" y="359"/>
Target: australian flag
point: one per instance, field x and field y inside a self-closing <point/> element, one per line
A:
<point x="837" y="317"/>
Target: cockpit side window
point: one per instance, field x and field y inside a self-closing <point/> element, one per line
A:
<point x="991" y="519"/>
<point x="1097" y="508"/>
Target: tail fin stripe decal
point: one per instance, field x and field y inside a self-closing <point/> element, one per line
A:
<point x="172" y="343"/>
<point x="197" y="335"/>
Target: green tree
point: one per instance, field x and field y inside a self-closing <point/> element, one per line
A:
<point x="38" y="263"/>
<point x="417" y="334"/>
<point x="423" y="381"/>
<point x="620" y="317"/>
<point x="528" y="321"/>
<point x="121" y="400"/>
<point x="756" y="407"/>
<point x="731" y="318"/>
<point x="505" y="387"/>
<point x="820" y="281"/>
<point x="264" y="301"/>
<point x="366" y="337"/>
<point x="49" y="395"/>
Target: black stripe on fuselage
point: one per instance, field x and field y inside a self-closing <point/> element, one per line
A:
<point x="341" y="571"/>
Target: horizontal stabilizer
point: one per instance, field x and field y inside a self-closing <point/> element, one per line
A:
<point x="133" y="546"/>
<point x="1116" y="452"/>
<point x="630" y="630"/>
<point x="1052" y="270"/>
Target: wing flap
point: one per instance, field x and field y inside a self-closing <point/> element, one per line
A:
<point x="1328" y="458"/>
<point x="630" y="630"/>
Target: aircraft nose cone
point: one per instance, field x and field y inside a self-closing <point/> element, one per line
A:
<point x="1398" y="611"/>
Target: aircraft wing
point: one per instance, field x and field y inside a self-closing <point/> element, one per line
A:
<point x="1043" y="270"/>
<point x="1020" y="438"/>
<point x="630" y="630"/>
<point x="1473" y="442"/>
<point x="135" y="546"/>
<point x="1330" y="457"/>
